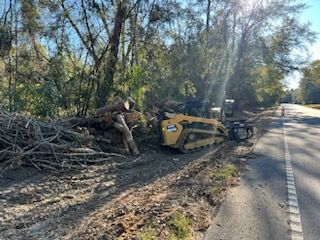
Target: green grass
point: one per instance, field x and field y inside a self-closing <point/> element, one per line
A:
<point x="216" y="191"/>
<point x="225" y="172"/>
<point x="179" y="229"/>
<point x="148" y="234"/>
<point x="180" y="226"/>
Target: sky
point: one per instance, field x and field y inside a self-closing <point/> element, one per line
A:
<point x="311" y="15"/>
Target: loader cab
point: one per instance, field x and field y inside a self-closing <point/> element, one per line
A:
<point x="228" y="107"/>
<point x="196" y="107"/>
<point x="216" y="112"/>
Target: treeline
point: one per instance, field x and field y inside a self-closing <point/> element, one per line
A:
<point x="308" y="91"/>
<point x="67" y="57"/>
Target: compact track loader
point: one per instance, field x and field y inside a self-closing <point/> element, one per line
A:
<point x="191" y="133"/>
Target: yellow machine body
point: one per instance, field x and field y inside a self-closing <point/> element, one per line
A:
<point x="189" y="133"/>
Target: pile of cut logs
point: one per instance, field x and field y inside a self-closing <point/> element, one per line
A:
<point x="119" y="114"/>
<point x="112" y="125"/>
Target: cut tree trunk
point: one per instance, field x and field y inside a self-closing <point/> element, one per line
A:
<point x="117" y="106"/>
<point x="122" y="127"/>
<point x="126" y="146"/>
<point x="103" y="119"/>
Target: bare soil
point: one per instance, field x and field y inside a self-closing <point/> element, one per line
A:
<point x="121" y="198"/>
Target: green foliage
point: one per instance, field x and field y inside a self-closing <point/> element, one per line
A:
<point x="36" y="98"/>
<point x="310" y="83"/>
<point x="268" y="86"/>
<point x="189" y="89"/>
<point x="310" y="92"/>
<point x="137" y="85"/>
<point x="312" y="73"/>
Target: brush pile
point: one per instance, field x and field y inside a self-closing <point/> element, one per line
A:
<point x="115" y="130"/>
<point x="45" y="145"/>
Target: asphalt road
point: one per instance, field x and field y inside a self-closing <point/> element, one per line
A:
<point x="260" y="207"/>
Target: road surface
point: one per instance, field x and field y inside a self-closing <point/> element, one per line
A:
<point x="279" y="197"/>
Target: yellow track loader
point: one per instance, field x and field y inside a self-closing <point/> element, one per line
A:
<point x="190" y="133"/>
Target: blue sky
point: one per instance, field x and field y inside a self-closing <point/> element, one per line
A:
<point x="311" y="15"/>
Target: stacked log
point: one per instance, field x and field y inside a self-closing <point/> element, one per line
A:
<point x="117" y="105"/>
<point x="120" y="116"/>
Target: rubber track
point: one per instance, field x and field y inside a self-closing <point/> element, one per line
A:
<point x="182" y="142"/>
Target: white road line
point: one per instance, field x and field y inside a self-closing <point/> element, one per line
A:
<point x="293" y="205"/>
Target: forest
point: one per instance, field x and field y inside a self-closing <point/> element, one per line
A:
<point x="66" y="57"/>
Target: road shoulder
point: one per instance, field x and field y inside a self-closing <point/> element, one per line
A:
<point x="256" y="209"/>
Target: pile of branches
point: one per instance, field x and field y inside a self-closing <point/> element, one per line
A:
<point x="45" y="144"/>
<point x="76" y="142"/>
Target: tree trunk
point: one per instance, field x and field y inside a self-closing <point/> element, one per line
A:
<point x="10" y="91"/>
<point x="122" y="127"/>
<point x="208" y="16"/>
<point x="117" y="106"/>
<point x="106" y="83"/>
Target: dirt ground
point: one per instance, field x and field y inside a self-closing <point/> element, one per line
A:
<point x="123" y="198"/>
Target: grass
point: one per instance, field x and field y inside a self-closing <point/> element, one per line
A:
<point x="179" y="229"/>
<point x="180" y="226"/>
<point x="216" y="191"/>
<point x="148" y="234"/>
<point x="226" y="172"/>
